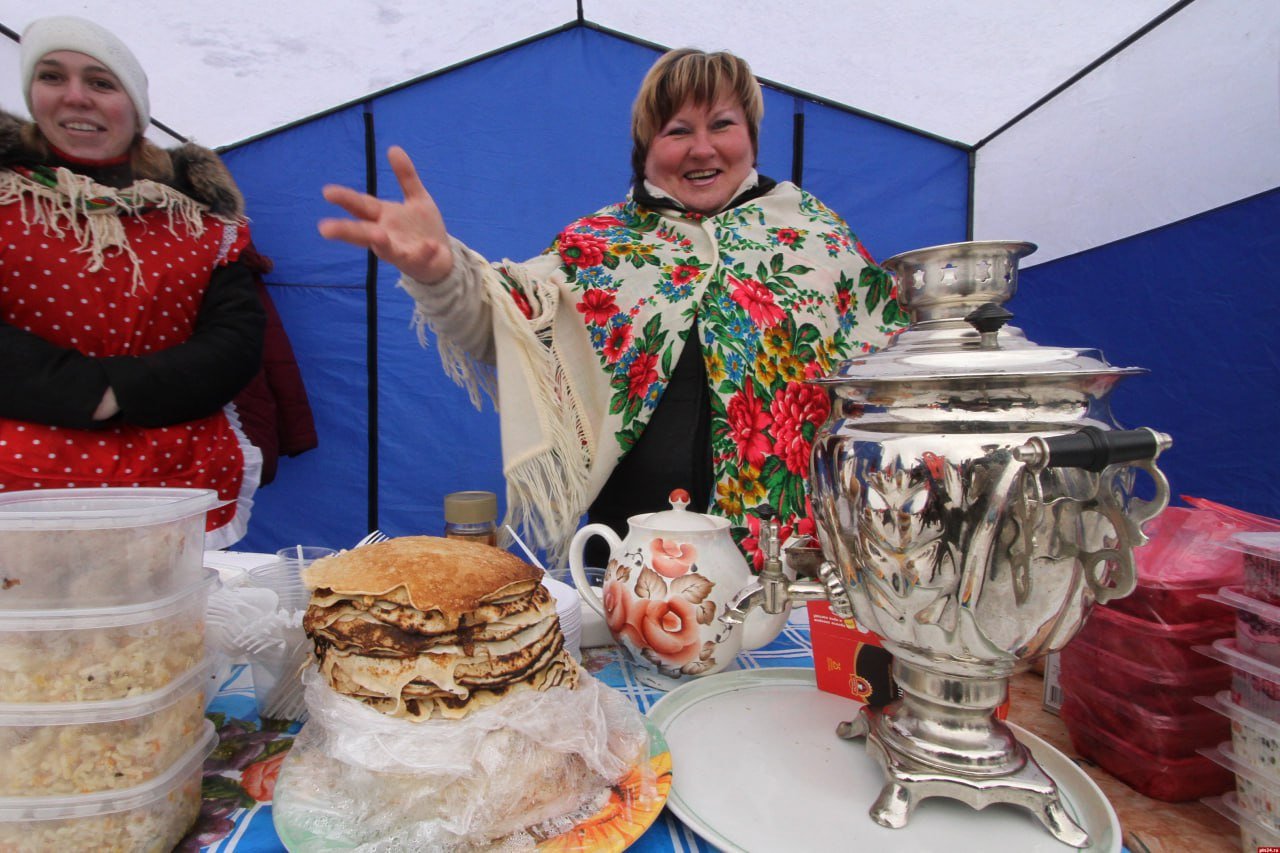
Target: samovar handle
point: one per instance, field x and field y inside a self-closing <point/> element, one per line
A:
<point x="1093" y="449"/>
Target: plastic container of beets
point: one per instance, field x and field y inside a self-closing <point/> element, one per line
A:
<point x="1172" y="780"/>
<point x="1257" y="624"/>
<point x="1153" y="644"/>
<point x="1159" y="689"/>
<point x="1164" y="735"/>
<point x="1183" y="560"/>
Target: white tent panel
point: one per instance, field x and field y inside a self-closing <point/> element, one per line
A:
<point x="958" y="71"/>
<point x="1185" y="120"/>
<point x="223" y="72"/>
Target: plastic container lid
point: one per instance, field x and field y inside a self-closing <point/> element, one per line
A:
<point x="1224" y="756"/>
<point x="1093" y="696"/>
<point x="1221" y="702"/>
<point x="70" y="713"/>
<point x="1234" y="597"/>
<point x="1118" y="667"/>
<point x="1226" y="651"/>
<point x="96" y="509"/>
<point x="1259" y="544"/>
<point x="81" y="619"/>
<point x="1128" y="627"/>
<point x="1155" y="776"/>
<point x="470" y="507"/>
<point x="108" y="802"/>
<point x="1183" y="552"/>
<point x="1229" y="807"/>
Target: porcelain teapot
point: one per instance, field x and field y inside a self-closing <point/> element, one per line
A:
<point x="665" y="588"/>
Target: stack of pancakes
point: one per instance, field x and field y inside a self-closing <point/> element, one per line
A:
<point x="420" y="627"/>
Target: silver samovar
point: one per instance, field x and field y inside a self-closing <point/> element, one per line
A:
<point x="974" y="499"/>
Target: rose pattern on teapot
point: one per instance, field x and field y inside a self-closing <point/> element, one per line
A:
<point x="665" y="589"/>
<point x="658" y="610"/>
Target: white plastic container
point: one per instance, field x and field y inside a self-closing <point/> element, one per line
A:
<point x="1255" y="793"/>
<point x="1261" y="563"/>
<point x="1255" y="684"/>
<point x="147" y="818"/>
<point x="1253" y="834"/>
<point x="103" y="653"/>
<point x="99" y="547"/>
<point x="89" y="747"/>
<point x="1257" y="624"/>
<point x="1255" y="740"/>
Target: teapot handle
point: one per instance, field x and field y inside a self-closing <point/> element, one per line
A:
<point x="578" y="570"/>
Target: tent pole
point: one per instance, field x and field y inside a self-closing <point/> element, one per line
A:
<point x="371" y="322"/>
<point x="968" y="216"/>
<point x="797" y="144"/>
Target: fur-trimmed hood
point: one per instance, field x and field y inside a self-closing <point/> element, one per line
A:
<point x="197" y="172"/>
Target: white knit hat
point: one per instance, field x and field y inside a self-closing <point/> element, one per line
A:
<point x="64" y="32"/>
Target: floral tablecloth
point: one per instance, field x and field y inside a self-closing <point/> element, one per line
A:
<point x="240" y="775"/>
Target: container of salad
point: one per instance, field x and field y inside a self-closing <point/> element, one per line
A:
<point x="86" y="548"/>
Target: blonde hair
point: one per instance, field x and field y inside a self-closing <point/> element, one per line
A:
<point x="691" y="76"/>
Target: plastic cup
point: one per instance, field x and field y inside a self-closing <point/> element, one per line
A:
<point x="284" y="576"/>
<point x="305" y="554"/>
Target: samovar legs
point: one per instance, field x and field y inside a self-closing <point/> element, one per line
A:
<point x="910" y="782"/>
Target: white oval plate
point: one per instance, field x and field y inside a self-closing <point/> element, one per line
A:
<point x="758" y="767"/>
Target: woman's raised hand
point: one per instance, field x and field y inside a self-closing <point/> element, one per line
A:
<point x="409" y="235"/>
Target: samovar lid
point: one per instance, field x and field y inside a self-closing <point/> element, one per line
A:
<point x="955" y="295"/>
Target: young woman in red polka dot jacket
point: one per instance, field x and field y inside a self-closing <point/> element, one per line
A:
<point x="127" y="321"/>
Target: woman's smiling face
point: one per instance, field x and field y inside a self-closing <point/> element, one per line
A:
<point x="702" y="155"/>
<point x="80" y="106"/>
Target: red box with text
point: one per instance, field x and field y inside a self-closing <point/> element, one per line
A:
<point x="852" y="662"/>
<point x="847" y="660"/>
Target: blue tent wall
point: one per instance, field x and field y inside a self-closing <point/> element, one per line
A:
<point x="898" y="190"/>
<point x="319" y="497"/>
<point x="1193" y="302"/>
<point x="512" y="147"/>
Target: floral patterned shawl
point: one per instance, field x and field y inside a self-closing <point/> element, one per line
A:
<point x="588" y="334"/>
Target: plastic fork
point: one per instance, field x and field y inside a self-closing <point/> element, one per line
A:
<point x="372" y="537"/>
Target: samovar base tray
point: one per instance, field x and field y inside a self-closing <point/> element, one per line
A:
<point x="910" y="782"/>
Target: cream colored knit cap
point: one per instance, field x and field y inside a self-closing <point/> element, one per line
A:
<point x="66" y="32"/>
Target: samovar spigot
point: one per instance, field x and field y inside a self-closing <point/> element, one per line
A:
<point x="772" y="590"/>
<point x="771" y="579"/>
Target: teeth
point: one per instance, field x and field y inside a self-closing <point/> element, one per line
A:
<point x="76" y="125"/>
<point x="694" y="176"/>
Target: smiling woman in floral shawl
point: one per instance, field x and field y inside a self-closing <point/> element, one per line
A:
<point x="661" y="342"/>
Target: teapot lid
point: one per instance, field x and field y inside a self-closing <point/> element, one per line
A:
<point x="680" y="517"/>
<point x="955" y="296"/>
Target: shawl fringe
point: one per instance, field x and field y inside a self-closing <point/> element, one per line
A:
<point x="470" y="373"/>
<point x="190" y="169"/>
<point x="92" y="212"/>
<point x="547" y="484"/>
